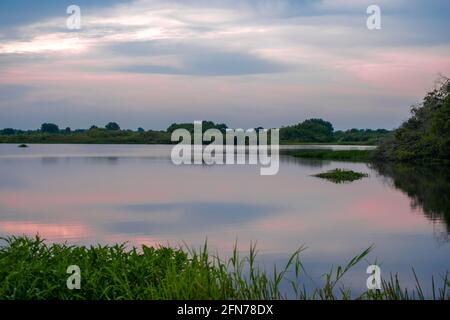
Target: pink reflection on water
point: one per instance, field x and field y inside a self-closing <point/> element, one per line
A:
<point x="36" y="200"/>
<point x="386" y="211"/>
<point x="48" y="231"/>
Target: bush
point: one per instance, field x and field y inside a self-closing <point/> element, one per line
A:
<point x="426" y="135"/>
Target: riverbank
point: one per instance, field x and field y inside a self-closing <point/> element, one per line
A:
<point x="31" y="269"/>
<point x="368" y="156"/>
<point x="337" y="155"/>
<point x="161" y="138"/>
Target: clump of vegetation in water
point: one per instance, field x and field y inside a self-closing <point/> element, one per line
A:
<point x="22" y="145"/>
<point x="31" y="269"/>
<point x="341" y="175"/>
<point x="338" y="155"/>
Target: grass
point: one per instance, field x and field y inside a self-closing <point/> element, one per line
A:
<point x="341" y="175"/>
<point x="31" y="269"/>
<point x="338" y="155"/>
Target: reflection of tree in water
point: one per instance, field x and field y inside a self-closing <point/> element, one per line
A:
<point x="309" y="163"/>
<point x="427" y="186"/>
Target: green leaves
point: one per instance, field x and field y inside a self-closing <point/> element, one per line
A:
<point x="30" y="269"/>
<point x="426" y="135"/>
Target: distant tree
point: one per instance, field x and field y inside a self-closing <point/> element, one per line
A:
<point x="140" y="130"/>
<point x="49" y="128"/>
<point x="113" y="126"/>
<point x="93" y="127"/>
<point x="68" y="130"/>
<point x="190" y="126"/>
<point x="211" y="125"/>
<point x="367" y="136"/>
<point x="311" y="130"/>
<point x="8" y="131"/>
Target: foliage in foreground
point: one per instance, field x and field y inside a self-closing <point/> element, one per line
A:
<point x="31" y="269"/>
<point x="341" y="175"/>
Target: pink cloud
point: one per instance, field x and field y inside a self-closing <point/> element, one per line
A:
<point x="404" y="72"/>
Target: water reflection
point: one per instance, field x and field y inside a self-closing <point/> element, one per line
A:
<point x="428" y="188"/>
<point x="160" y="217"/>
<point x="109" y="194"/>
<point x="57" y="232"/>
<point x="310" y="163"/>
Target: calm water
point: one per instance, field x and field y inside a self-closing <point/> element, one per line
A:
<point x="89" y="194"/>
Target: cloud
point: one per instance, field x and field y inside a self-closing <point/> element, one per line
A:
<point x="212" y="64"/>
<point x="17" y="13"/>
<point x="185" y="59"/>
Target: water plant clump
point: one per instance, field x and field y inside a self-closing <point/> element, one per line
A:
<point x="341" y="175"/>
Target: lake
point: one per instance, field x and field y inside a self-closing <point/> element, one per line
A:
<point x="102" y="194"/>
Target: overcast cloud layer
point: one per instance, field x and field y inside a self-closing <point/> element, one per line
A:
<point x="246" y="63"/>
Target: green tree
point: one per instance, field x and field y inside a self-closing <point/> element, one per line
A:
<point x="424" y="136"/>
<point x="113" y="126"/>
<point x="311" y="130"/>
<point x="8" y="131"/>
<point x="190" y="126"/>
<point x="49" y="128"/>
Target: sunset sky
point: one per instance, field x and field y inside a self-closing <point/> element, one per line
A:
<point x="247" y="63"/>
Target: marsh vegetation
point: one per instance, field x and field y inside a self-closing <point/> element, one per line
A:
<point x="31" y="269"/>
<point x="341" y="175"/>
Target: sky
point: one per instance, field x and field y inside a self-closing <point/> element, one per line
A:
<point x="247" y="63"/>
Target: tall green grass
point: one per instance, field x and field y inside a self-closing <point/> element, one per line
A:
<point x="31" y="269"/>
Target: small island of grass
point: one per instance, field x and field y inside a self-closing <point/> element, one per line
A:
<point x="22" y="145"/>
<point x="341" y="175"/>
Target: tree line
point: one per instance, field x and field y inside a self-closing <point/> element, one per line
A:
<point x="308" y="131"/>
